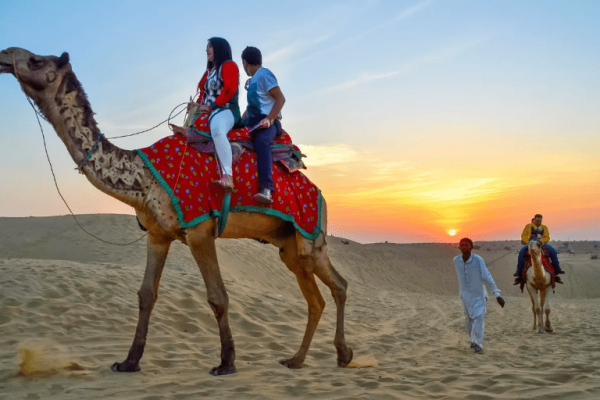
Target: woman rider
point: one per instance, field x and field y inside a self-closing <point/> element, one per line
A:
<point x="219" y="97"/>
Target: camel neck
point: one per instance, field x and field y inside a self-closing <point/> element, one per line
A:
<point x="113" y="170"/>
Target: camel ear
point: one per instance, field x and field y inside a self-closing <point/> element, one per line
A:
<point x="63" y="60"/>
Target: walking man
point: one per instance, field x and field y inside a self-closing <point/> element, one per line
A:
<point x="472" y="272"/>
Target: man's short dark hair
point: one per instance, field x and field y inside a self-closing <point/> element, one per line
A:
<point x="466" y="240"/>
<point x="538" y="216"/>
<point x="252" y="55"/>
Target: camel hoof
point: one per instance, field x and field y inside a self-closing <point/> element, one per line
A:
<point x="223" y="370"/>
<point x="125" y="367"/>
<point x="550" y="330"/>
<point x="344" y="361"/>
<point x="540" y="332"/>
<point x="291" y="364"/>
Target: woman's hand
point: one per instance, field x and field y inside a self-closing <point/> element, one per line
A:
<point x="206" y="109"/>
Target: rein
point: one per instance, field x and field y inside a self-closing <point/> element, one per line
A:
<point x="38" y="114"/>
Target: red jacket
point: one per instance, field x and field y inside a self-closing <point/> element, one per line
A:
<point x="230" y="74"/>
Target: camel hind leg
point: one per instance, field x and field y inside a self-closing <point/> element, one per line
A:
<point x="338" y="286"/>
<point x="157" y="250"/>
<point x="312" y="294"/>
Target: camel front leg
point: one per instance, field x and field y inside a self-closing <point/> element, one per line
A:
<point x="338" y="286"/>
<point x="157" y="250"/>
<point x="546" y="308"/>
<point x="537" y="308"/>
<point x="202" y="245"/>
<point x="533" y="310"/>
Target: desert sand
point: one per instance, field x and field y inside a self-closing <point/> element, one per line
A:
<point x="68" y="310"/>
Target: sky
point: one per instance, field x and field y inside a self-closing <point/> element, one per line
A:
<point x="417" y="117"/>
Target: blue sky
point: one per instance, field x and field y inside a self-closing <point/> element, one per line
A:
<point x="385" y="95"/>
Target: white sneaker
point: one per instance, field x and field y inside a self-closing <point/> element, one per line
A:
<point x="264" y="197"/>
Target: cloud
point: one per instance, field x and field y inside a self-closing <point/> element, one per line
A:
<point x="404" y="14"/>
<point x="364" y="78"/>
<point x="407" y="12"/>
<point x="450" y="50"/>
<point x="453" y="49"/>
<point x="318" y="156"/>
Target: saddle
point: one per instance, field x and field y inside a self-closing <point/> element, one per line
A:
<point x="197" y="131"/>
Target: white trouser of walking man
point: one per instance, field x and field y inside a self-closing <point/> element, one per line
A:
<point x="472" y="273"/>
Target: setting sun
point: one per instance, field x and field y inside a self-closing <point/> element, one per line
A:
<point x="452" y="232"/>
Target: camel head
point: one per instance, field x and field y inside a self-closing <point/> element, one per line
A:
<point x="39" y="76"/>
<point x="535" y="248"/>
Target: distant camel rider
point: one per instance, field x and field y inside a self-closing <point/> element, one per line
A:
<point x="265" y="101"/>
<point x="536" y="231"/>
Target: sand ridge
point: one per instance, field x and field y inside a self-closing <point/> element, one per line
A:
<point x="73" y="300"/>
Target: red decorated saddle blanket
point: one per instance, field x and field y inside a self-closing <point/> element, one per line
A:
<point x="189" y="175"/>
<point x="547" y="265"/>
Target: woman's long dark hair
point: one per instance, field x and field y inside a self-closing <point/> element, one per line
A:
<point x="221" y="52"/>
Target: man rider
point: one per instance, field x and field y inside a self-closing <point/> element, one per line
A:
<point x="536" y="231"/>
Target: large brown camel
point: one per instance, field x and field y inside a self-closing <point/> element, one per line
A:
<point x="50" y="82"/>
<point x="539" y="286"/>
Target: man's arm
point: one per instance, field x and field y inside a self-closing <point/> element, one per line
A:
<point x="526" y="235"/>
<point x="487" y="277"/>
<point x="546" y="237"/>
<point x="277" y="94"/>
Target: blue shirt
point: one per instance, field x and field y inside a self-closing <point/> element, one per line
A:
<point x="471" y="275"/>
<point x="260" y="102"/>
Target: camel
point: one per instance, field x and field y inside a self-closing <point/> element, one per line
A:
<point x="50" y="82"/>
<point x="539" y="282"/>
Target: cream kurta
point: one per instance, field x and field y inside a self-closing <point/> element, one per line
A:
<point x="471" y="275"/>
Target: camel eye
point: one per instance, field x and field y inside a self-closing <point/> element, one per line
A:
<point x="35" y="63"/>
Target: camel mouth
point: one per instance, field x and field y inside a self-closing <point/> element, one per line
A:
<point x="6" y="62"/>
<point x="6" y="69"/>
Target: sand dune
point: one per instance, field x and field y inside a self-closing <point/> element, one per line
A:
<point x="68" y="310"/>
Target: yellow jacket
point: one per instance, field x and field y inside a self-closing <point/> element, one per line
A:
<point x="532" y="231"/>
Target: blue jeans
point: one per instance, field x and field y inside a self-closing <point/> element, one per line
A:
<point x="264" y="155"/>
<point x="553" y="257"/>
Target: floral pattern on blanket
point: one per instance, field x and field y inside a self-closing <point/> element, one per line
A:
<point x="188" y="176"/>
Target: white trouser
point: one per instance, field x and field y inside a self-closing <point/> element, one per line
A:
<point x="475" y="328"/>
<point x="220" y="124"/>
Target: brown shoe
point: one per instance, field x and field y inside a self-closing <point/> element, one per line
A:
<point x="518" y="280"/>
<point x="226" y="182"/>
<point x="558" y="280"/>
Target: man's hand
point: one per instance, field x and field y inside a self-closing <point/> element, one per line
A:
<point x="500" y="301"/>
<point x="265" y="123"/>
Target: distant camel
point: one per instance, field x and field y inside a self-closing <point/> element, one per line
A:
<point x="50" y="82"/>
<point x="539" y="286"/>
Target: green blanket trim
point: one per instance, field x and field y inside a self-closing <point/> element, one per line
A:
<point x="215" y="213"/>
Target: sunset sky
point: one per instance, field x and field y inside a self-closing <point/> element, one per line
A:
<point x="417" y="117"/>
